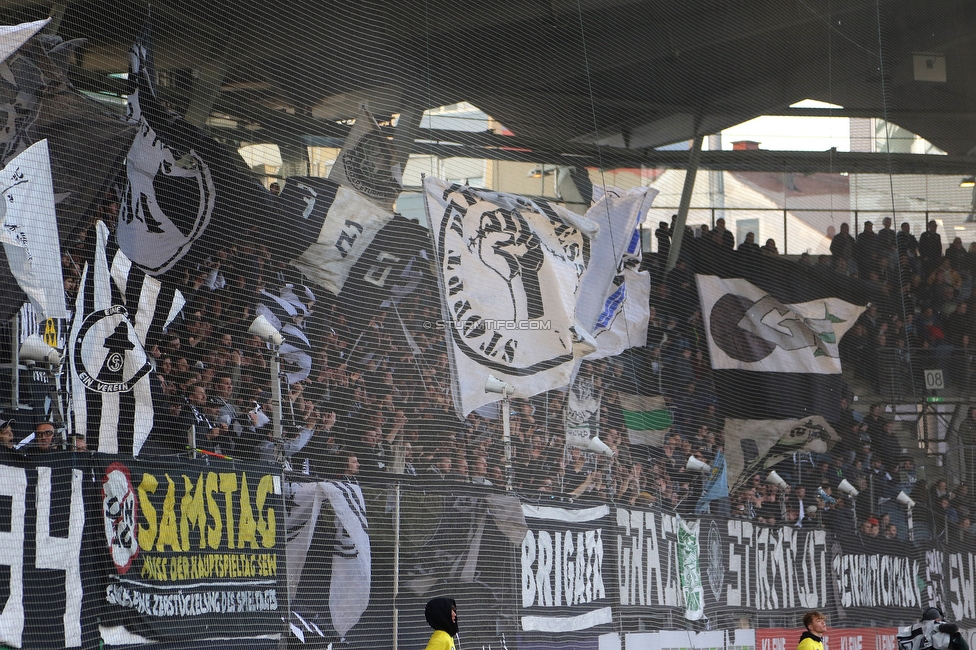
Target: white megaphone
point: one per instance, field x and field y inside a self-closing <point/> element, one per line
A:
<point x="811" y="511"/>
<point x="699" y="465"/>
<point x="848" y="489"/>
<point x="263" y="328"/>
<point x="905" y="500"/>
<point x="775" y="479"/>
<point x="496" y="385"/>
<point x="597" y="446"/>
<point x="35" y="349"/>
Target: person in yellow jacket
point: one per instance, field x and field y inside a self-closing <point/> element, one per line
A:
<point x="812" y="639"/>
<point x="441" y="614"/>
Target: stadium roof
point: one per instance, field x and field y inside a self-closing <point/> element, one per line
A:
<point x="560" y="75"/>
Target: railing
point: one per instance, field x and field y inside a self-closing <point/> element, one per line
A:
<point x="900" y="375"/>
<point x="781" y="231"/>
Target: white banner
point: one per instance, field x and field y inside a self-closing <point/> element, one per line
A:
<point x="748" y="329"/>
<point x="509" y="271"/>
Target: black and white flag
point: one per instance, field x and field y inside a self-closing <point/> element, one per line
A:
<point x="509" y="271"/>
<point x="753" y="446"/>
<point x="367" y="162"/>
<point x="330" y="227"/>
<point x="348" y="591"/>
<point x="773" y="328"/>
<point x="748" y="329"/>
<point x="118" y="309"/>
<point x="286" y="314"/>
<point x="186" y="193"/>
<point x="391" y="268"/>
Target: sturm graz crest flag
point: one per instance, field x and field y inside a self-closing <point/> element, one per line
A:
<point x="509" y="271"/>
<point x="117" y="311"/>
<point x="185" y="191"/>
<point x="748" y="329"/>
<point x="773" y="329"/>
<point x="367" y="162"/>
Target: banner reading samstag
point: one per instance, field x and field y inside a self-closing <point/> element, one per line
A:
<point x="194" y="548"/>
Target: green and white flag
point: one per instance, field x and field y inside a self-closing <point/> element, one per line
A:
<point x="647" y="418"/>
<point x="690" y="573"/>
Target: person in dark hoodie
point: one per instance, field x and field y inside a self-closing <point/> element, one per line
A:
<point x="812" y="638"/>
<point x="441" y="614"/>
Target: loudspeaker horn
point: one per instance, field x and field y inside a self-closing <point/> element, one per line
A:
<point x="848" y="489"/>
<point x="35" y="349"/>
<point x="264" y="329"/>
<point x="775" y="479"/>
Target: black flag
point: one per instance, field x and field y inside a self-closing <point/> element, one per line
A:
<point x="186" y="193"/>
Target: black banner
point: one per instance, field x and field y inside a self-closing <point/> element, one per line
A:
<point x="196" y="549"/>
<point x="99" y="549"/>
<point x="44" y="593"/>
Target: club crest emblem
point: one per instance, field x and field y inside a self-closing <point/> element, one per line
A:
<point x="108" y="356"/>
<point x="368" y="165"/>
<point x="168" y="203"/>
<point x="120" y="512"/>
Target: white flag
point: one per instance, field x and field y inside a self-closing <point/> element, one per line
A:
<point x="30" y="230"/>
<point x="367" y="162"/>
<point x="748" y="329"/>
<point x="582" y="412"/>
<point x="618" y="215"/>
<point x="13" y="36"/>
<point x="509" y="271"/>
<point x="623" y="322"/>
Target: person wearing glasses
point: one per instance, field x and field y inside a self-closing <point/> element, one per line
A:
<point x="44" y="438"/>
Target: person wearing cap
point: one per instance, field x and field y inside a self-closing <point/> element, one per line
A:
<point x="441" y="614"/>
<point x="7" y="433"/>
<point x="816" y="626"/>
<point x="932" y="632"/>
<point x="870" y="529"/>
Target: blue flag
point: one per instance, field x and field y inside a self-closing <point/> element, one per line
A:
<point x="716" y="485"/>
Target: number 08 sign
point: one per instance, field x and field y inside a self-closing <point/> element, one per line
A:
<point x="934" y="380"/>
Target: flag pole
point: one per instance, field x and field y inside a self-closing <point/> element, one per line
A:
<point x="276" y="403"/>
<point x="396" y="564"/>
<point x="507" y="440"/>
<point x="686" y="191"/>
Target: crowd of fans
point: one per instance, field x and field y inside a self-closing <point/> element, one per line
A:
<point x="377" y="398"/>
